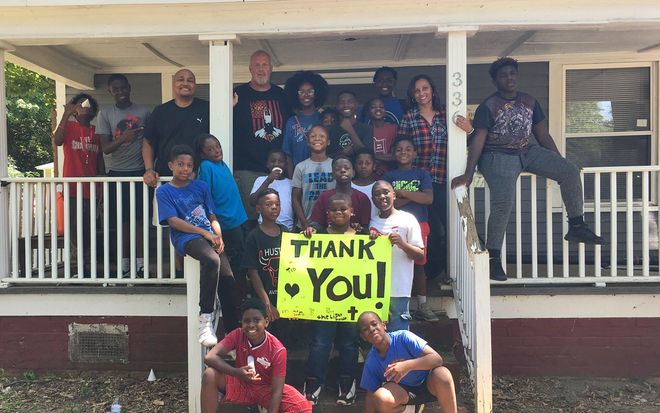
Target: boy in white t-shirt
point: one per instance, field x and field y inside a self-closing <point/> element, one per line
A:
<point x="276" y="179"/>
<point x="405" y="234"/>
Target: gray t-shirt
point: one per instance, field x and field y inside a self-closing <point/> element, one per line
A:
<point x="114" y="121"/>
<point x="313" y="178"/>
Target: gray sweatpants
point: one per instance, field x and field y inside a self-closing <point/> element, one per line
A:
<point x="501" y="173"/>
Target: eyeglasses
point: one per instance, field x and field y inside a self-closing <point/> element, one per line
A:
<point x="308" y="92"/>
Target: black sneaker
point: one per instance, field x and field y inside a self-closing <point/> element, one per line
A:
<point x="582" y="233"/>
<point x="347" y="391"/>
<point x="496" y="271"/>
<point x="312" y="390"/>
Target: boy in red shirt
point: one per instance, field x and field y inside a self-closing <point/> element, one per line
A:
<point x="260" y="372"/>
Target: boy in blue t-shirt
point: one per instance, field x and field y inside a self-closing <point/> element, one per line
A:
<point x="414" y="194"/>
<point x="401" y="369"/>
<point x="187" y="207"/>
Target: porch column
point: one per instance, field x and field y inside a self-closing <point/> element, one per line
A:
<point x="4" y="172"/>
<point x="221" y="115"/>
<point x="166" y="93"/>
<point x="456" y="139"/>
<point x="221" y="88"/>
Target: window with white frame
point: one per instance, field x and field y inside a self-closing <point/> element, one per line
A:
<point x="608" y="120"/>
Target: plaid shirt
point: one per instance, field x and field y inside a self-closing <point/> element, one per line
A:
<point x="430" y="142"/>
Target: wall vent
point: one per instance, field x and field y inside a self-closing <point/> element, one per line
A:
<point x="98" y="343"/>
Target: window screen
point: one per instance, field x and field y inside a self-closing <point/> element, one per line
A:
<point x="608" y="100"/>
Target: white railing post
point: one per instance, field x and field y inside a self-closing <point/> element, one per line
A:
<point x="483" y="371"/>
<point x="195" y="351"/>
<point x="5" y="251"/>
<point x="472" y="300"/>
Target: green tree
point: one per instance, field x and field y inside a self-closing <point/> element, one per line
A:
<point x="587" y="117"/>
<point x="30" y="103"/>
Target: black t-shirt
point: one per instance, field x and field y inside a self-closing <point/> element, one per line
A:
<point x="262" y="252"/>
<point x="259" y="121"/>
<point x="171" y="125"/>
<point x="340" y="139"/>
<point x="509" y="122"/>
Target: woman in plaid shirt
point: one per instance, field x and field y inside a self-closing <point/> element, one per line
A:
<point x="424" y="124"/>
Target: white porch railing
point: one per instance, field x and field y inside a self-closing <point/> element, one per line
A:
<point x="39" y="254"/>
<point x="621" y="204"/>
<point x="472" y="300"/>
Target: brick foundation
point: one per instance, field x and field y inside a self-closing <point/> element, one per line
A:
<point x="41" y="343"/>
<point x="606" y="347"/>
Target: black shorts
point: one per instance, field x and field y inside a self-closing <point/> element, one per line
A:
<point x="125" y="197"/>
<point x="418" y="394"/>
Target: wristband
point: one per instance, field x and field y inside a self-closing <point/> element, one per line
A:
<point x="471" y="132"/>
<point x="149" y="169"/>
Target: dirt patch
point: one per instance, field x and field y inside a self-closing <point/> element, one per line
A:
<point x="91" y="392"/>
<point x="79" y="392"/>
<point x="574" y="395"/>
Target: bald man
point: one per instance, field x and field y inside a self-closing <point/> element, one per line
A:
<point x="259" y="119"/>
<point x="175" y="122"/>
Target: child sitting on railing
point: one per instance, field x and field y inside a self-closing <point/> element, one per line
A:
<point x="186" y="206"/>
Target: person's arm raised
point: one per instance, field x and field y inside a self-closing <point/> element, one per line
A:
<point x="58" y="133"/>
<point x="474" y="153"/>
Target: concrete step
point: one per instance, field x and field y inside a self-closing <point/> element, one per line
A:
<point x="327" y="404"/>
<point x="298" y="335"/>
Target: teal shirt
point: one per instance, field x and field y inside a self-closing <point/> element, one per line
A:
<point x="228" y="206"/>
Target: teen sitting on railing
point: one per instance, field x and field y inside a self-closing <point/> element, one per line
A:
<point x="501" y="144"/>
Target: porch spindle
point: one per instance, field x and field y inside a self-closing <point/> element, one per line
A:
<point x="53" y="230"/>
<point x="13" y="212"/>
<point x="119" y="228"/>
<point x="106" y="232"/>
<point x="27" y="228"/>
<point x="535" y="250"/>
<point x="145" y="228"/>
<point x="67" y="230"/>
<point x="613" y="225"/>
<point x="629" y="225"/>
<point x="518" y="228"/>
<point x="645" y="223"/>
<point x="41" y="244"/>
<point x="92" y="230"/>
<point x="80" y="244"/>
<point x="564" y="244"/>
<point x="597" y="224"/>
<point x="132" y="229"/>
<point x="581" y="249"/>
<point x="548" y="228"/>
<point x="159" y="245"/>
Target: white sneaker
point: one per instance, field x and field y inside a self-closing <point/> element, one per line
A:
<point x="425" y="313"/>
<point x="207" y="336"/>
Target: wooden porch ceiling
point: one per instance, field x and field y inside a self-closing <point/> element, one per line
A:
<point x="79" y="59"/>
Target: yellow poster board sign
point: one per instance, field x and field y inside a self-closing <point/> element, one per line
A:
<point x="333" y="277"/>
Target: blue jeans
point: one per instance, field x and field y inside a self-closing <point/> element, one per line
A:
<point x="345" y="337"/>
<point x="400" y="318"/>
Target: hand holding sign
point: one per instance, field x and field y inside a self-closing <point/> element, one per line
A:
<point x="334" y="277"/>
